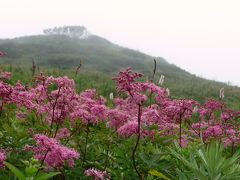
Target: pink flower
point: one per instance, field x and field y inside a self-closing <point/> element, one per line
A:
<point x="5" y="75"/>
<point x="63" y="133"/>
<point x="201" y="125"/>
<point x="176" y="109"/>
<point x="126" y="80"/>
<point x="96" y="174"/>
<point x="152" y="116"/>
<point x="184" y="142"/>
<point x="228" y="115"/>
<point x="213" y="105"/>
<point x="230" y="132"/>
<point x="3" y="157"/>
<point x="128" y="129"/>
<point x="52" y="152"/>
<point x="89" y="109"/>
<point x="21" y="115"/>
<point x="5" y="91"/>
<point x="30" y="131"/>
<point x="232" y="141"/>
<point x="213" y="131"/>
<point x="2" y="54"/>
<point x="117" y="118"/>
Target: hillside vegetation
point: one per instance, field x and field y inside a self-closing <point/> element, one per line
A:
<point x="56" y="49"/>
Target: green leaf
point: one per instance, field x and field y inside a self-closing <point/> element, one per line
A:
<point x="158" y="174"/>
<point x="46" y="176"/>
<point x="15" y="171"/>
<point x="30" y="171"/>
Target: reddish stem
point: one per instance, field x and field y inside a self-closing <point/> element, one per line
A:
<point x="137" y="142"/>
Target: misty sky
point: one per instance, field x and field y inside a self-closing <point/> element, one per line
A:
<point x="201" y="36"/>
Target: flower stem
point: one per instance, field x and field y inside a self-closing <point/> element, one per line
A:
<point x="86" y="143"/>
<point x="137" y="142"/>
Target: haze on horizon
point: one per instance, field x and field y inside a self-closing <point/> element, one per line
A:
<point x="202" y="36"/>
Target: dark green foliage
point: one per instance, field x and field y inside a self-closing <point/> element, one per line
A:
<point x="207" y="163"/>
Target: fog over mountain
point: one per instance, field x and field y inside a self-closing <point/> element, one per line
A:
<point x="199" y="36"/>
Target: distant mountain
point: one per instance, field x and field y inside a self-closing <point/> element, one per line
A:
<point x="64" y="47"/>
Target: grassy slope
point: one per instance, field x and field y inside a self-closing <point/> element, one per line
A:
<point x="100" y="57"/>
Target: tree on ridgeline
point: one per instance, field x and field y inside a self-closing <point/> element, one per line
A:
<point x="72" y="31"/>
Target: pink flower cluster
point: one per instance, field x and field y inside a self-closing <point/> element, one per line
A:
<point x="5" y="91"/>
<point x="55" y="100"/>
<point x="63" y="133"/>
<point x="162" y="111"/>
<point x="5" y="75"/>
<point x="169" y="114"/>
<point x="128" y="129"/>
<point x="212" y="126"/>
<point x="3" y="157"/>
<point x="96" y="174"/>
<point x="2" y="54"/>
<point x="90" y="108"/>
<point x="126" y="82"/>
<point x="52" y="153"/>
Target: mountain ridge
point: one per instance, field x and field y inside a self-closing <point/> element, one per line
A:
<point x="16" y="50"/>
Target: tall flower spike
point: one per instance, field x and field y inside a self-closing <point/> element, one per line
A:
<point x="161" y="80"/>
<point x="221" y="93"/>
<point x="168" y="92"/>
<point x="111" y="96"/>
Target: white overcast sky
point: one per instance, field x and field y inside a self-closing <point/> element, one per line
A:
<point x="201" y="36"/>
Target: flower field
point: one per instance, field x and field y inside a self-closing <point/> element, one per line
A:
<point x="49" y="130"/>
